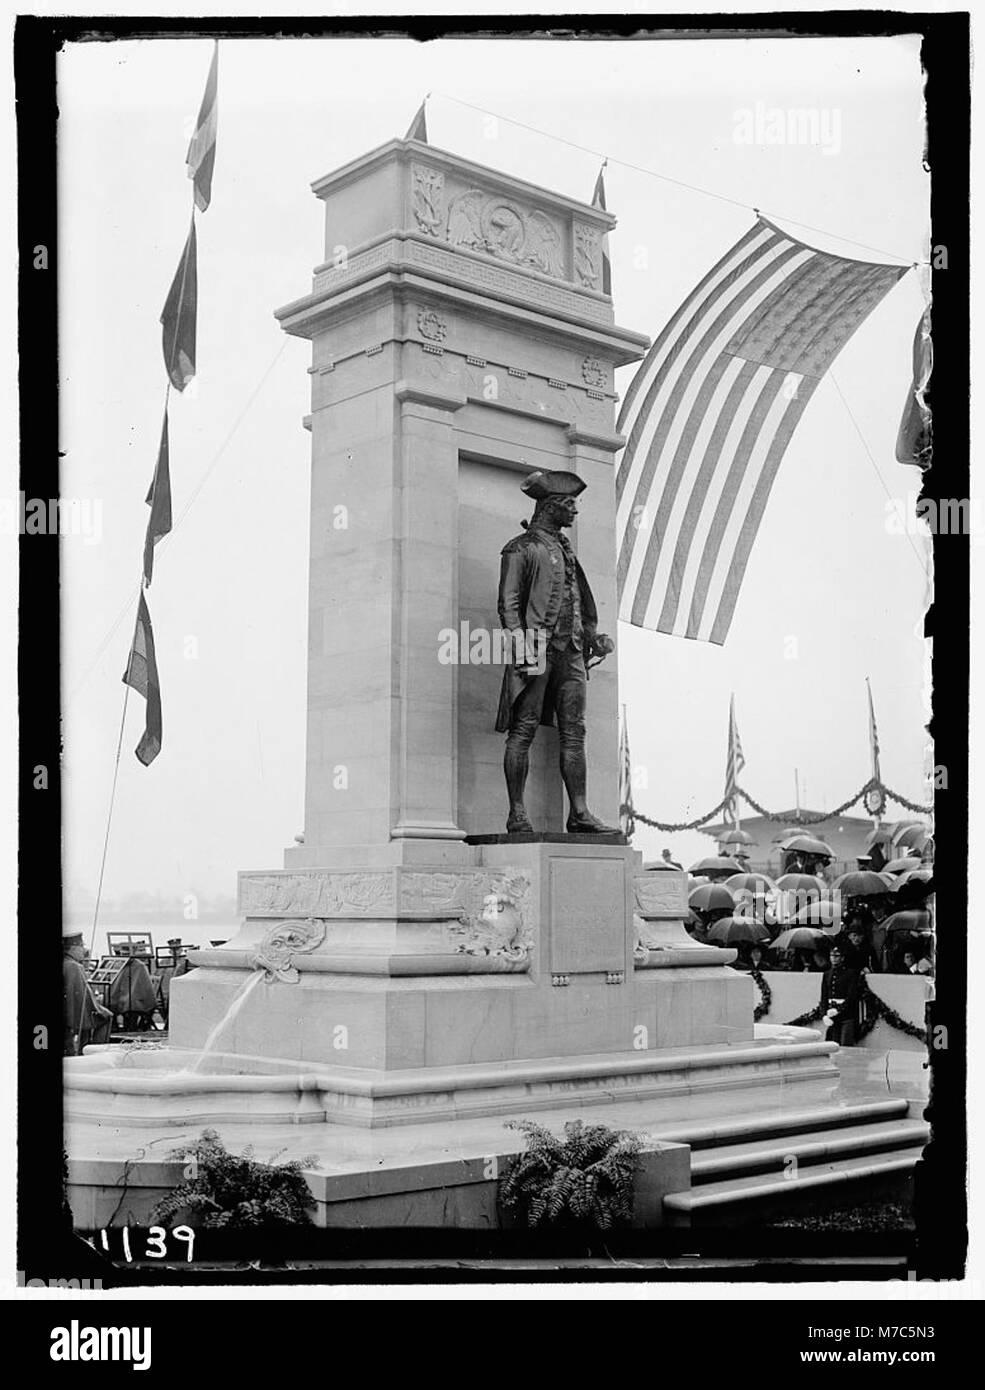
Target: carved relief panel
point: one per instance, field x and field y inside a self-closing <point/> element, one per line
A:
<point x="504" y="228"/>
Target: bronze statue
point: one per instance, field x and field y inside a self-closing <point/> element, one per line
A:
<point x="546" y="605"/>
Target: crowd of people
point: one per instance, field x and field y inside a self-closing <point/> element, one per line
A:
<point x="879" y="921"/>
<point x="134" y="999"/>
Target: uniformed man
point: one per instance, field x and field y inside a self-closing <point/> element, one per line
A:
<point x="86" y="1021"/>
<point x="546" y="603"/>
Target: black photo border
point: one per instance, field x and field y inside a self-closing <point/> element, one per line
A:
<point x="47" y="1246"/>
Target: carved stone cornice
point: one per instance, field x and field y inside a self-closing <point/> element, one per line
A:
<point x="418" y="393"/>
<point x="402" y="259"/>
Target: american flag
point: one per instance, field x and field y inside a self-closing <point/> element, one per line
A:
<point x="709" y="415"/>
<point x="873" y="734"/>
<point x="734" y="763"/>
<point x="627" y="815"/>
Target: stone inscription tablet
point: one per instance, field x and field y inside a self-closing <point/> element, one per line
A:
<point x="588" y="926"/>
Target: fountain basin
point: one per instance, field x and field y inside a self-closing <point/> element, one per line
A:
<point x="159" y="1086"/>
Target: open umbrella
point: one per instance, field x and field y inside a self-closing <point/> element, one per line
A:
<point x="920" y="875"/>
<point x="750" y="883"/>
<point x="914" y="919"/>
<point x="900" y="866"/>
<point x="822" y="914"/>
<point x="786" y="833"/>
<point x="715" y="863"/>
<point x="800" y="883"/>
<point x="736" y="837"/>
<point x="860" y="884"/>
<point x="800" y="938"/>
<point x="913" y="836"/>
<point x="709" y="897"/>
<point x="734" y="929"/>
<point x="806" y="844"/>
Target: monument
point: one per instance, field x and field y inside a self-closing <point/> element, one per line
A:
<point x="410" y="962"/>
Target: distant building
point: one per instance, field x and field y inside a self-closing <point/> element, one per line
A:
<point x="845" y="834"/>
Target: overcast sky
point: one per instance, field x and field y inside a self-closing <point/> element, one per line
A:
<point x="830" y="595"/>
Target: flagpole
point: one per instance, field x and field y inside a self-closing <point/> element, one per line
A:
<point x="141" y="584"/>
<point x="735" y="802"/>
<point x="112" y="794"/>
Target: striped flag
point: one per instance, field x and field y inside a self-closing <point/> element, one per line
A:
<point x="914" y="441"/>
<point x="598" y="201"/>
<point x="141" y="675"/>
<point x="201" y="150"/>
<point x="179" y="317"/>
<point x="627" y="815"/>
<point x="734" y="763"/>
<point x="159" y="500"/>
<point x="709" y="415"/>
<point x="873" y="735"/>
<point x="418" y="129"/>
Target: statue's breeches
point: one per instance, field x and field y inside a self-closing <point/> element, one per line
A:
<point x="563" y="682"/>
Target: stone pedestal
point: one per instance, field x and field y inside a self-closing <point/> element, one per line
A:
<point x="395" y="986"/>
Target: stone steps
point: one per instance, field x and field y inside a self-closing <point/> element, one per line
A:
<point x="811" y="1148"/>
<point x="759" y="1124"/>
<point x="770" y="1166"/>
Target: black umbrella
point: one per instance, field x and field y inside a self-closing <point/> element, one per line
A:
<point x="860" y="884"/>
<point x="734" y="929"/>
<point x="800" y="938"/>
<point x="915" y="919"/>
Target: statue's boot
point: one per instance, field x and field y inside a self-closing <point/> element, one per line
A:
<point x="515" y="766"/>
<point x="584" y="823"/>
<point x="574" y="775"/>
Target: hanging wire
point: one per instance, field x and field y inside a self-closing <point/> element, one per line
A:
<point x="109" y="816"/>
<point x="679" y="183"/>
<point x="871" y="458"/>
<point x="97" y="657"/>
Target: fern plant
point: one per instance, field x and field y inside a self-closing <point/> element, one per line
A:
<point x="234" y="1191"/>
<point x="584" y="1178"/>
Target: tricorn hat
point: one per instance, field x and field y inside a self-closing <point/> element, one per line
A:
<point x="552" y="483"/>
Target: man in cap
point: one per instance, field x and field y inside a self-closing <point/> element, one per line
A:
<point x="545" y="600"/>
<point x="86" y="1021"/>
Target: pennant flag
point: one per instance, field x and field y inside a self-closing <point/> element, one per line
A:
<point x="734" y="763"/>
<point x="627" y="815"/>
<point x="179" y="315"/>
<point x="710" y="413"/>
<point x="159" y="500"/>
<point x="201" y="151"/>
<point x="598" y="201"/>
<point x="141" y="675"/>
<point x="419" y="126"/>
<point x="914" y="443"/>
<point x="873" y="735"/>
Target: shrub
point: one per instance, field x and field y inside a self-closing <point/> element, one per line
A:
<point x="585" y="1178"/>
<point x="235" y="1191"/>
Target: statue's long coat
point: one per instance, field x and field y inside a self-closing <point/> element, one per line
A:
<point x="531" y="589"/>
